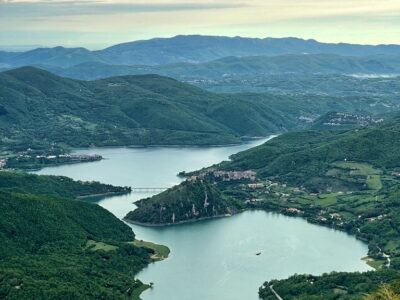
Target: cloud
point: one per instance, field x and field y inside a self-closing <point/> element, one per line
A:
<point x="41" y="8"/>
<point x="110" y="21"/>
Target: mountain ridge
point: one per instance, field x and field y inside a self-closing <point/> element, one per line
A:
<point x="189" y="48"/>
<point x="232" y="66"/>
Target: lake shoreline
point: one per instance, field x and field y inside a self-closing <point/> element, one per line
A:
<point x="339" y="229"/>
<point x="103" y="195"/>
<point x="178" y="223"/>
<point x="144" y="146"/>
<point x="154" y="168"/>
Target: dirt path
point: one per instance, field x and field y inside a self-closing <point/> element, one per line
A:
<point x="271" y="287"/>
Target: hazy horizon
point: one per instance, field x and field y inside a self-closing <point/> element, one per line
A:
<point x="96" y="24"/>
<point x="94" y="47"/>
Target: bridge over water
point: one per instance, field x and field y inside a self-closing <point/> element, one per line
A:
<point x="148" y="189"/>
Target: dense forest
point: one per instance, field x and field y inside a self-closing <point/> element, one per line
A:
<point x="48" y="113"/>
<point x="241" y="67"/>
<point x="303" y="158"/>
<point x="189" y="201"/>
<point x="53" y="247"/>
<point x="58" y="186"/>
<point x="332" y="286"/>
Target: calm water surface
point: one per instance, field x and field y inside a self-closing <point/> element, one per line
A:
<point x="214" y="259"/>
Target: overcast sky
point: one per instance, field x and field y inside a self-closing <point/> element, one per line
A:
<point x="99" y="23"/>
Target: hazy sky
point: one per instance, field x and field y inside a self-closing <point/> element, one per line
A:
<point x="99" y="23"/>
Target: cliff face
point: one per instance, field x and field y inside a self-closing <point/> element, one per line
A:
<point x="188" y="201"/>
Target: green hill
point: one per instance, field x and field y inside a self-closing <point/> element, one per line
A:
<point x="40" y="110"/>
<point x="304" y="158"/>
<point x="335" y="286"/>
<point x="342" y="121"/>
<point x="233" y="67"/>
<point x="189" y="201"/>
<point x="57" y="186"/>
<point x="59" y="248"/>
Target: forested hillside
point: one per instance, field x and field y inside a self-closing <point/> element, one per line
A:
<point x="57" y="186"/>
<point x="303" y="158"/>
<point x="40" y="110"/>
<point x="242" y="67"/>
<point x="52" y="247"/>
<point x="187" y="202"/>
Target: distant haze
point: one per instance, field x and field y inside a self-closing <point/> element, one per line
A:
<point x="96" y="24"/>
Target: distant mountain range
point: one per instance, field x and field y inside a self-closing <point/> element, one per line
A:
<point x="192" y="48"/>
<point x="242" y="66"/>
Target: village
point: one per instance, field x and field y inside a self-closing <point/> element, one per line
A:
<point x="32" y="160"/>
<point x="342" y="118"/>
<point x="317" y="207"/>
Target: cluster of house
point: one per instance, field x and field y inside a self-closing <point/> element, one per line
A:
<point x="3" y="163"/>
<point x="72" y="157"/>
<point x="306" y="119"/>
<point x="333" y="215"/>
<point x="346" y="118"/>
<point x="380" y="217"/>
<point x="235" y="175"/>
<point x="294" y="210"/>
<point x="256" y="185"/>
<point x="225" y="175"/>
<point x="268" y="184"/>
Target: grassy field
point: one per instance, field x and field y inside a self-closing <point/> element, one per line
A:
<point x="374" y="182"/>
<point x="375" y="263"/>
<point x="358" y="168"/>
<point x="326" y="200"/>
<point x="372" y="175"/>
<point x="161" y="251"/>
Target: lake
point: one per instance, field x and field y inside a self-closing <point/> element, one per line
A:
<point x="214" y="259"/>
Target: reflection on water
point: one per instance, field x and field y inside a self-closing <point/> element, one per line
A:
<point x="214" y="259"/>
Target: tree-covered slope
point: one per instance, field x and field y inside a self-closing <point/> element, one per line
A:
<point x="189" y="201"/>
<point x="59" y="248"/>
<point x="343" y="121"/>
<point x="233" y="67"/>
<point x="57" y="186"/>
<point x="40" y="110"/>
<point x="377" y="86"/>
<point x="37" y="107"/>
<point x="303" y="158"/>
<point x="338" y="286"/>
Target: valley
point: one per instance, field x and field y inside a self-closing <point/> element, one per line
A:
<point x="49" y="114"/>
<point x="200" y="167"/>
